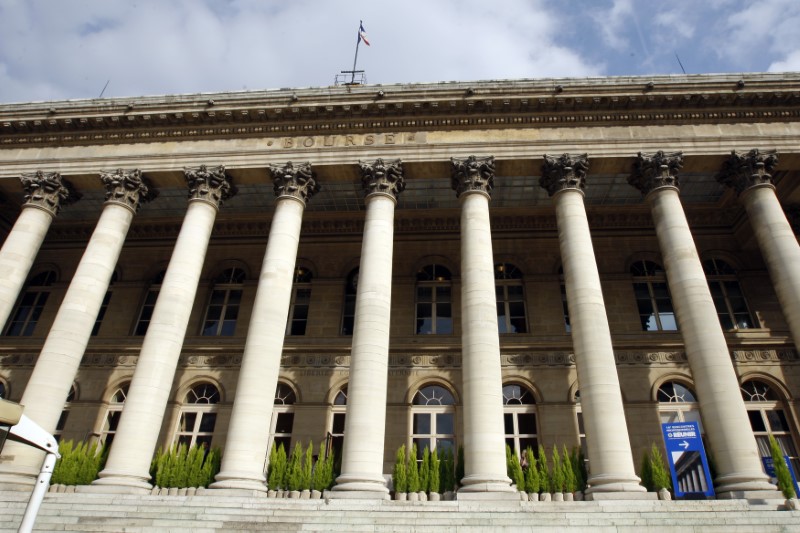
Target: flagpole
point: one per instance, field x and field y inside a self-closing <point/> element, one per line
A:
<point x="355" y="59"/>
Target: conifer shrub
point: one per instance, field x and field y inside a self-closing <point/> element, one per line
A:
<point x="446" y="470"/>
<point x="532" y="481"/>
<point x="460" y="467"/>
<point x="435" y="469"/>
<point x="425" y="470"/>
<point x="781" y="469"/>
<point x="323" y="472"/>
<point x="400" y="473"/>
<point x="646" y="473"/>
<point x="658" y="469"/>
<point x="294" y="469"/>
<point x="517" y="475"/>
<point x="276" y="470"/>
<point x="570" y="479"/>
<point x="305" y="472"/>
<point x="413" y="470"/>
<point x="579" y="468"/>
<point x="557" y="473"/>
<point x="183" y="467"/>
<point x="78" y="465"/>
<point x="545" y="484"/>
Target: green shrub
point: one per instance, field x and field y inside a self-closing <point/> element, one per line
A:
<point x="413" y="470"/>
<point x="79" y="464"/>
<point x="435" y="468"/>
<point x="570" y="479"/>
<point x="460" y="467"/>
<point x="276" y="470"/>
<point x="579" y="468"/>
<point x="646" y="473"/>
<point x="425" y="470"/>
<point x="557" y="473"/>
<point x="446" y="470"/>
<point x="323" y="472"/>
<point x="517" y="476"/>
<point x="182" y="467"/>
<point x="294" y="469"/>
<point x="544" y="474"/>
<point x="305" y="472"/>
<point x="400" y="473"/>
<point x="532" y="481"/>
<point x="659" y="471"/>
<point x="781" y="469"/>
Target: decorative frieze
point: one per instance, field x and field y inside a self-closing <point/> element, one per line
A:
<point x="126" y="188"/>
<point x="564" y="172"/>
<point x="472" y="174"/>
<point x="382" y="177"/>
<point x="210" y="185"/>
<point x="651" y="171"/>
<point x="47" y="190"/>
<point x="297" y="181"/>
<point x="742" y="171"/>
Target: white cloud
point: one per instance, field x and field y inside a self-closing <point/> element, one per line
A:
<point x="790" y="63"/>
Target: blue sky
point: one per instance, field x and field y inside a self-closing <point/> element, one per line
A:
<point x="64" y="49"/>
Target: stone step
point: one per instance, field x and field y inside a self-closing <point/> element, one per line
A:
<point x="208" y="512"/>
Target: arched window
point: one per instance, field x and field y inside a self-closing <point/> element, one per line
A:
<point x="434" y="301"/>
<point x="767" y="417"/>
<point x="652" y="297"/>
<point x="349" y="308"/>
<point x="62" y="420"/>
<point x="282" y="417"/>
<point x="223" y="307"/>
<point x="104" y="306"/>
<point x="149" y="304"/>
<point x="338" y="414"/>
<point x="30" y="305"/>
<point x="511" y="316"/>
<point x="678" y="403"/>
<point x="563" y="285"/>
<point x="433" y="419"/>
<point x="519" y="416"/>
<point x="113" y="414"/>
<point x="298" y="306"/>
<point x="727" y="294"/>
<point x="198" y="416"/>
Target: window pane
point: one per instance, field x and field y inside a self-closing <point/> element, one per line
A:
<point x="777" y="420"/>
<point x="444" y="310"/>
<point x="187" y="421"/>
<point x="421" y="445"/>
<point x="444" y="424"/>
<point x="668" y="322"/>
<point x="284" y="423"/>
<point x="518" y="325"/>
<point x="422" y="423"/>
<point x="207" y="422"/>
<point x="204" y="441"/>
<point x="527" y="423"/>
<point x="338" y="423"/>
<point x="443" y="294"/>
<point x="424" y="294"/>
<point x="525" y="443"/>
<point x="508" y="420"/>
<point x="445" y="444"/>
<point x="228" y="328"/>
<point x="444" y="325"/>
<point x="756" y="421"/>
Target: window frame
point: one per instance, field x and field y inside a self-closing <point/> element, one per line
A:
<point x="432" y="409"/>
<point x="229" y="284"/>
<point x="652" y="276"/>
<point x="720" y="274"/>
<point x="283" y="403"/>
<point x="525" y="404"/>
<point x="201" y="406"/>
<point x="38" y="287"/>
<point x="438" y="280"/>
<point x="297" y="324"/>
<point x="506" y="276"/>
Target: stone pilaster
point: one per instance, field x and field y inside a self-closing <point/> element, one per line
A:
<point x="609" y="450"/>
<point x="750" y="175"/>
<point x="484" y="432"/>
<point x="128" y="464"/>
<point x="727" y="426"/>
<point x="66" y="342"/>
<point x="362" y="456"/>
<point x="45" y="194"/>
<point x="248" y="434"/>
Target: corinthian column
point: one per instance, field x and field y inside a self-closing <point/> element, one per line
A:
<point x="484" y="433"/>
<point x="66" y="342"/>
<point x="362" y="456"/>
<point x="248" y="434"/>
<point x="128" y="465"/>
<point x="607" y="439"/>
<point x="45" y="194"/>
<point x="750" y="175"/>
<point x="727" y="426"/>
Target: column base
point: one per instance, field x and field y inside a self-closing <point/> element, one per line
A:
<point x="493" y="495"/>
<point x="614" y="483"/>
<point x="743" y="483"/>
<point x="751" y="495"/>
<point x="239" y="482"/>
<point x="354" y="486"/>
<point x="481" y="485"/>
<point x="603" y="496"/>
<point x="112" y="483"/>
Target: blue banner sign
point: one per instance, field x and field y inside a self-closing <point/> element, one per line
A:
<point x="687" y="460"/>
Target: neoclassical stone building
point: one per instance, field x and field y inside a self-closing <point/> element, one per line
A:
<point x="528" y="262"/>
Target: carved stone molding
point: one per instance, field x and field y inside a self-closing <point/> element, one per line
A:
<point x="384" y="177"/>
<point x="472" y="174"/>
<point x="297" y="181"/>
<point x="742" y="171"/>
<point x="651" y="171"/>
<point x="126" y="188"/>
<point x="564" y="172"/>
<point x="48" y="191"/>
<point x="210" y="185"/>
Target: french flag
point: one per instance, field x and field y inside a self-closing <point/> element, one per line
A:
<point x="362" y="34"/>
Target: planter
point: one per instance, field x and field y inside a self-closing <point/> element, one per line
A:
<point x="545" y="497"/>
<point x="792" y="504"/>
<point x="271" y="493"/>
<point x="664" y="494"/>
<point x="523" y="496"/>
<point x="423" y="496"/>
<point x="533" y="497"/>
<point x="305" y="494"/>
<point x="579" y="496"/>
<point x="434" y="497"/>
<point x="172" y="491"/>
<point x="449" y="496"/>
<point x="294" y="494"/>
<point x="413" y="496"/>
<point x="569" y="497"/>
<point x="316" y="495"/>
<point x="191" y="491"/>
<point x="558" y="496"/>
<point x="400" y="496"/>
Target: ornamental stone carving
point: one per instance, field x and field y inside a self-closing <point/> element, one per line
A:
<point x="297" y="181"/>
<point x="126" y="188"/>
<point x="211" y="185"/>
<point x="47" y="190"/>
<point x="472" y="174"/>
<point x="564" y="172"/>
<point x="652" y="171"/>
<point x="382" y="177"/>
<point x="742" y="171"/>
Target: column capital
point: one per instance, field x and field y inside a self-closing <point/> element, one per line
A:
<point x="210" y="185"/>
<point x="742" y="171"/>
<point x="472" y="174"/>
<point x="564" y="172"/>
<point x="384" y="177"/>
<point x="296" y="181"/>
<point x="652" y="171"/>
<point x="48" y="191"/>
<point x="126" y="188"/>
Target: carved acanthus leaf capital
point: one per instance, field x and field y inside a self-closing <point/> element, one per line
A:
<point x="127" y="188"/>
<point x="382" y="177"/>
<point x="742" y="171"/>
<point x="564" y="172"/>
<point x="297" y="181"/>
<point x="472" y="174"/>
<point x="211" y="185"/>
<point x="47" y="190"/>
<point x="652" y="171"/>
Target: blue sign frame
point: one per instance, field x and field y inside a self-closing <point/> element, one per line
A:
<point x="687" y="460"/>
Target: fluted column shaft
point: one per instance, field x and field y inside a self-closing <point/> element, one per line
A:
<point x="66" y="342"/>
<point x="248" y="433"/>
<point x="365" y="423"/>
<point x="725" y="419"/>
<point x="482" y="383"/>
<point x="609" y="449"/>
<point x="128" y="464"/>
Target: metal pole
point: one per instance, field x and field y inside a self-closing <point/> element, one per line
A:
<point x="37" y="496"/>
<point x="355" y="59"/>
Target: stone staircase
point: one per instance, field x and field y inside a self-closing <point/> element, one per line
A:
<point x="212" y="513"/>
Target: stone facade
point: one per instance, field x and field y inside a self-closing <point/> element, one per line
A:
<point x="421" y="187"/>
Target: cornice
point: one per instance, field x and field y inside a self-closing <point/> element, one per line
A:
<point x="368" y="109"/>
